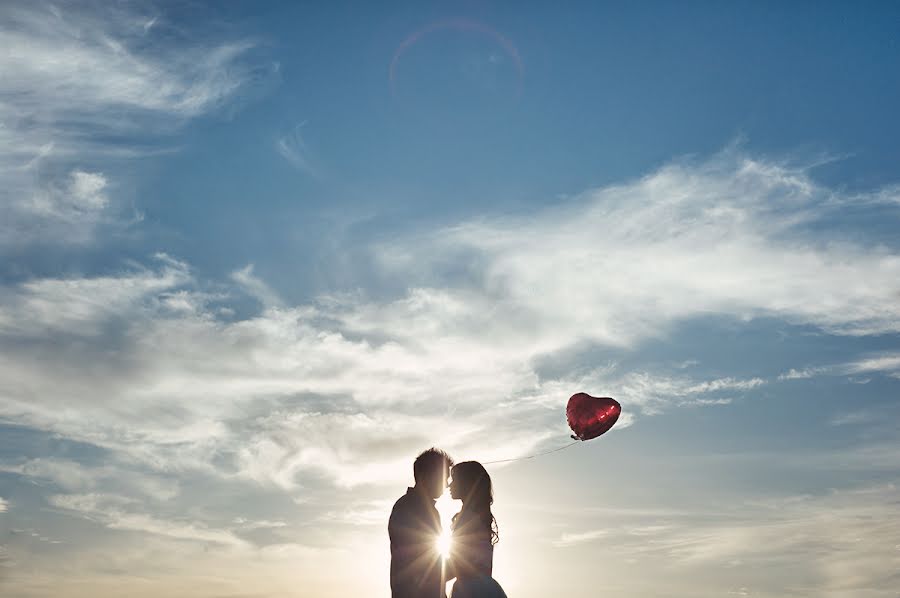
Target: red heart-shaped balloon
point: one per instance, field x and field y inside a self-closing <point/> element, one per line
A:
<point x="589" y="416"/>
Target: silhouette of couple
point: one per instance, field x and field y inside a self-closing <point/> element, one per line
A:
<point x="418" y="569"/>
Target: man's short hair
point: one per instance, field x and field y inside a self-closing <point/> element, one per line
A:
<point x="431" y="461"/>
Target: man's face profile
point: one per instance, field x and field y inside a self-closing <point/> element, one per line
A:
<point x="438" y="482"/>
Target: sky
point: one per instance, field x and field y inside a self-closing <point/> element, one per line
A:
<point x="256" y="256"/>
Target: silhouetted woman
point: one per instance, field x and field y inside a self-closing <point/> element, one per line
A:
<point x="474" y="532"/>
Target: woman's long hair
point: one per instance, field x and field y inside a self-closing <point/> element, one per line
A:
<point x="477" y="495"/>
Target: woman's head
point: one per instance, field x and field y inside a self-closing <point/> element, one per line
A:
<point x="470" y="483"/>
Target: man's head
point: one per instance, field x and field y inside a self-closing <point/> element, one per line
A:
<point x="431" y="470"/>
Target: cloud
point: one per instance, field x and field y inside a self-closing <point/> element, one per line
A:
<point x="347" y="386"/>
<point x="572" y="539"/>
<point x="341" y="391"/>
<point x="111" y="512"/>
<point x="81" y="306"/>
<point x="652" y="393"/>
<point x="851" y="533"/>
<point x="794" y="374"/>
<point x="293" y="148"/>
<point x="72" y="476"/>
<point x="86" y="190"/>
<point x="371" y="513"/>
<point x="246" y="524"/>
<point x="282" y="396"/>
<point x="76" y="79"/>
<point x="255" y="287"/>
<point x="4" y="505"/>
<point x="887" y="363"/>
<point x="851" y="418"/>
<point x="621" y="264"/>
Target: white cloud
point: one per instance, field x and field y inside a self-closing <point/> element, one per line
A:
<point x="81" y="199"/>
<point x="572" y="539"/>
<point x="183" y="386"/>
<point x="255" y="287"/>
<point x="110" y="511"/>
<point x="352" y="386"/>
<point x="245" y="524"/>
<point x="86" y="190"/>
<point x="293" y="148"/>
<point x="66" y="474"/>
<point x="852" y="534"/>
<point x="621" y="264"/>
<point x="166" y="564"/>
<point x="82" y="305"/>
<point x="794" y="374"/>
<point x="76" y="75"/>
<point x="725" y="384"/>
<point x="72" y="62"/>
<point x="346" y="388"/>
<point x="651" y="393"/>
<point x="71" y="476"/>
<point x="371" y="513"/>
<point x="4" y="505"/>
<point x="889" y="362"/>
<point x="851" y="418"/>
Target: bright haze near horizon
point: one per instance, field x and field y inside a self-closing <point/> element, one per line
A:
<point x="256" y="256"/>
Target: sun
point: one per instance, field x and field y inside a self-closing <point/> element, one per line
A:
<point x="444" y="543"/>
<point x="446" y="507"/>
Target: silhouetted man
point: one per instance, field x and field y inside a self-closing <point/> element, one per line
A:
<point x="414" y="528"/>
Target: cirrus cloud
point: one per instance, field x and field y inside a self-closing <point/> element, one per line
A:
<point x="73" y="75"/>
<point x="148" y="366"/>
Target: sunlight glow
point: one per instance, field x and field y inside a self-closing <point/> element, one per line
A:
<point x="444" y="542"/>
<point x="446" y="507"/>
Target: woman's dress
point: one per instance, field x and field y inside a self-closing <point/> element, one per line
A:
<point x="472" y="549"/>
<point x="472" y="558"/>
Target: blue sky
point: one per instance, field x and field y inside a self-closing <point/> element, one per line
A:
<point x="256" y="256"/>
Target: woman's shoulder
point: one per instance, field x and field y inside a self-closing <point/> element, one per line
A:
<point x="471" y="526"/>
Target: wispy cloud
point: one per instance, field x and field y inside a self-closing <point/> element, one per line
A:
<point x="851" y="532"/>
<point x="621" y="264"/>
<point x="111" y="512"/>
<point x="71" y="476"/>
<point x="571" y="539"/>
<point x="76" y="74"/>
<point x="247" y="524"/>
<point x="81" y="305"/>
<point x="885" y="363"/>
<point x="4" y="505"/>
<point x="851" y="418"/>
<point x="378" y="400"/>
<point x="353" y="385"/>
<point x="372" y="513"/>
<point x="293" y="148"/>
<point x="255" y="287"/>
<point x="340" y="391"/>
<point x="888" y="362"/>
<point x="801" y="374"/>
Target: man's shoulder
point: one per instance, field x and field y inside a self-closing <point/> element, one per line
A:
<point x="404" y="503"/>
<point x="414" y="505"/>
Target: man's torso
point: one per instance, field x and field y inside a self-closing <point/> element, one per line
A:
<point x="413" y="528"/>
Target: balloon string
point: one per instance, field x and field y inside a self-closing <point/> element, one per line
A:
<point x="531" y="456"/>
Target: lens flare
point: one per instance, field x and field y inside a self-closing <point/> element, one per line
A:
<point x="446" y="507"/>
<point x="444" y="543"/>
<point x="464" y="25"/>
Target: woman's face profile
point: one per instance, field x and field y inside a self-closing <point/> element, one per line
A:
<point x="457" y="484"/>
<point x="454" y="487"/>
